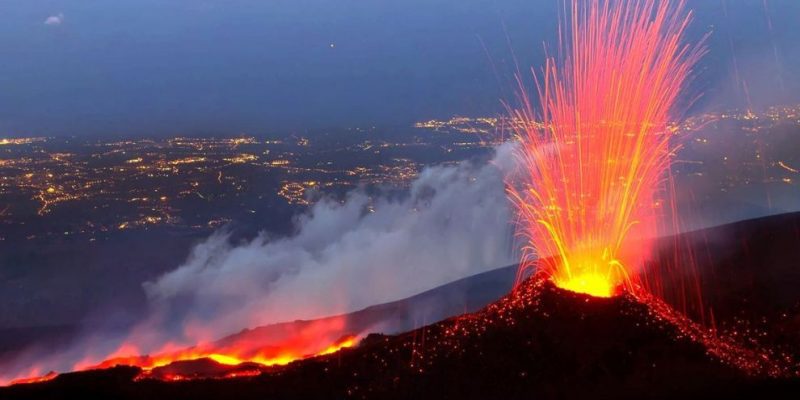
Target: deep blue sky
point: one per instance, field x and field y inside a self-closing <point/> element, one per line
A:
<point x="267" y="66"/>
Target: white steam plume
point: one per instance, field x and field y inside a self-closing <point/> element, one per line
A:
<point x="455" y="222"/>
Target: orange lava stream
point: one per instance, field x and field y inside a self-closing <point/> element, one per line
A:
<point x="35" y="379"/>
<point x="266" y="358"/>
<point x="595" y="155"/>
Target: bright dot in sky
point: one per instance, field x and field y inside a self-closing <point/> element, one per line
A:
<point x="333" y="45"/>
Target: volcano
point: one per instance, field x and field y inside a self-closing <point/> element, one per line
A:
<point x="539" y="340"/>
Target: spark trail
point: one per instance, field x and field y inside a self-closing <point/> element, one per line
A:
<point x="595" y="154"/>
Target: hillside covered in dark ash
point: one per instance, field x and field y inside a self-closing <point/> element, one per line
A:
<point x="538" y="341"/>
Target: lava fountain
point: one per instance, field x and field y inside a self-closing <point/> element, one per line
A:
<point x="595" y="155"/>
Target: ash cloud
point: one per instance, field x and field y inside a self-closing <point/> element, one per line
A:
<point x="454" y="222"/>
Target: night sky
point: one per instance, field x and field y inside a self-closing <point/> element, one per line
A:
<point x="148" y="67"/>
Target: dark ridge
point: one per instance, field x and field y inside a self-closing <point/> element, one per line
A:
<point x="539" y="341"/>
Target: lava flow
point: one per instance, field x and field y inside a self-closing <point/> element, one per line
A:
<point x="35" y="379"/>
<point x="268" y="356"/>
<point x="595" y="157"/>
<point x="246" y="353"/>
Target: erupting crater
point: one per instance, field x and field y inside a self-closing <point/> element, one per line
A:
<point x="594" y="156"/>
<point x="591" y="274"/>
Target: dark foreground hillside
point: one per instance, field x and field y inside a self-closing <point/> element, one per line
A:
<point x="537" y="342"/>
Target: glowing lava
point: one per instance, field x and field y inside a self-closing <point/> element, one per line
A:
<point x="36" y="379"/>
<point x="245" y="354"/>
<point x="266" y="357"/>
<point x="595" y="156"/>
<point x="595" y="284"/>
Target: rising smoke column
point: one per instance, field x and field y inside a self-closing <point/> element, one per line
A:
<point x="594" y="156"/>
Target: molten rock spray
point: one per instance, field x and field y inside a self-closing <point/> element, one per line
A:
<point x="595" y="155"/>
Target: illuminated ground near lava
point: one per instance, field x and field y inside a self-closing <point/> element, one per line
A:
<point x="315" y="338"/>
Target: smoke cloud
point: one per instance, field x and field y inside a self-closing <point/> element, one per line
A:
<point x="344" y="256"/>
